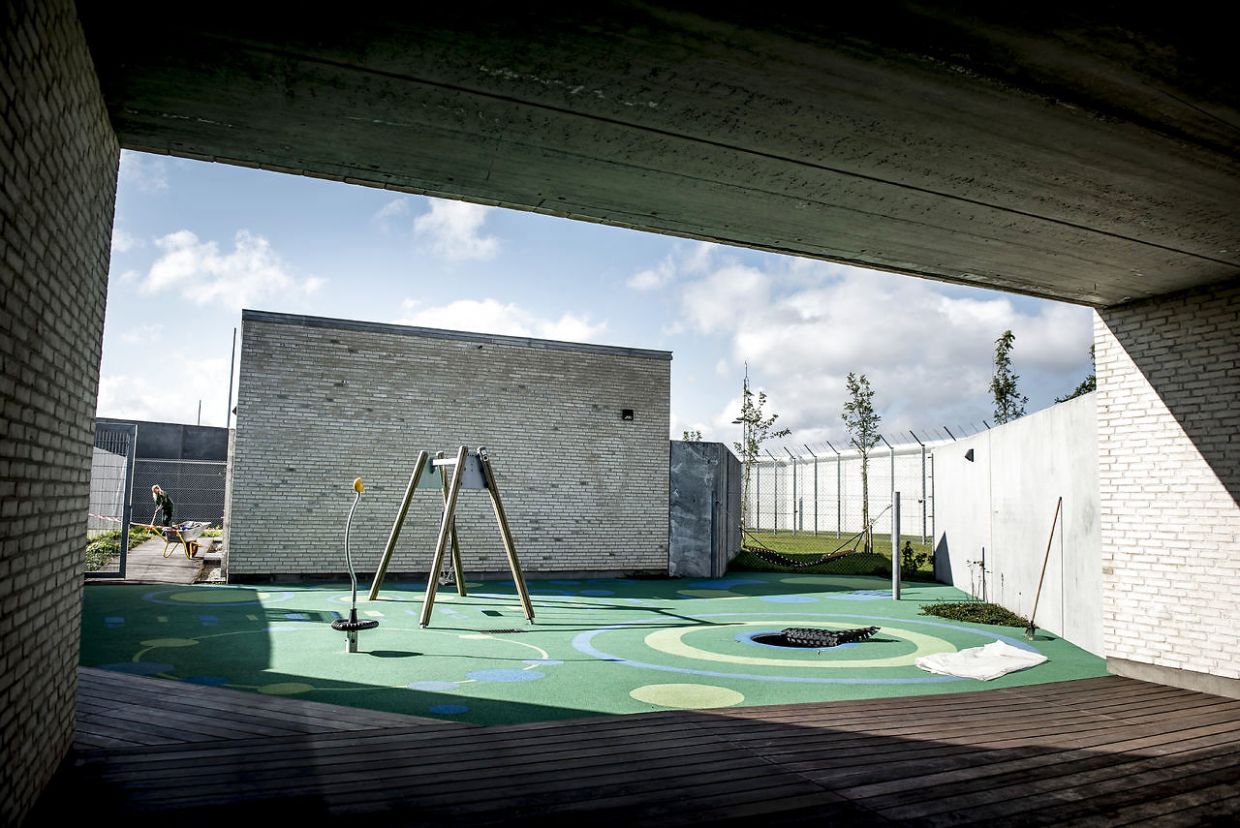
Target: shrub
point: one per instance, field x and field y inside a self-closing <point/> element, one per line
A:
<point x="976" y="612"/>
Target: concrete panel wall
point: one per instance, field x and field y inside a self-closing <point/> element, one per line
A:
<point x="323" y="401"/>
<point x="704" y="534"/>
<point x="58" y="159"/>
<point x="1000" y="507"/>
<point x="1169" y="471"/>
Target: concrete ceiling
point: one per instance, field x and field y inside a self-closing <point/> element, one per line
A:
<point x="1086" y="155"/>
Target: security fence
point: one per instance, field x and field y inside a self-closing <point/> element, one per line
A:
<point x="819" y="490"/>
<point x="195" y="486"/>
<point x="108" y="512"/>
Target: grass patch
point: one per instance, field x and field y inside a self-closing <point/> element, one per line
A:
<point x="213" y="532"/>
<point x="917" y="563"/>
<point x="975" y="612"/>
<point x="102" y="547"/>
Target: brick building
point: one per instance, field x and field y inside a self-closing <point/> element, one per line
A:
<point x="321" y="401"/>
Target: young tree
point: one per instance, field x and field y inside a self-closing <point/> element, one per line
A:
<point x="756" y="428"/>
<point x="1090" y="383"/>
<point x="1009" y="403"/>
<point x="862" y="421"/>
<point x="692" y="436"/>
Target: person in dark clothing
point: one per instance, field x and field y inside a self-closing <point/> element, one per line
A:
<point x="163" y="506"/>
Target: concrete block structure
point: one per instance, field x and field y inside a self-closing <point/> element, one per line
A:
<point x="994" y="514"/>
<point x="58" y="162"/>
<point x="578" y="435"/>
<point x="704" y="532"/>
<point x="1169" y="480"/>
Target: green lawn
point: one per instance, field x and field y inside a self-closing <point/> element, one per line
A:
<point x="806" y="546"/>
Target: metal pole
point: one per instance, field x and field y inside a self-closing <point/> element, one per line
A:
<point x="949" y="432"/>
<point x="200" y="412"/>
<point x="796" y="505"/>
<point x="757" y="498"/>
<point x="232" y="361"/>
<point x="935" y="510"/>
<point x="891" y="453"/>
<point x="775" y="469"/>
<point x="895" y="546"/>
<point x="840" y="511"/>
<point x="923" y="485"/>
<point x="815" y="456"/>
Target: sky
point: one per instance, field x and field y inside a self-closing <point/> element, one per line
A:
<point x="195" y="242"/>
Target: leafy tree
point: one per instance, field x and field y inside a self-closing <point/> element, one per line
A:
<point x="862" y="421"/>
<point x="1090" y="383"/>
<point x="756" y="428"/>
<point x="692" y="436"/>
<point x="1009" y="402"/>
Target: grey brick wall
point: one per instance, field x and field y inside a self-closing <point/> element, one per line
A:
<point x="1169" y="475"/>
<point x="58" y="160"/>
<point x="322" y="401"/>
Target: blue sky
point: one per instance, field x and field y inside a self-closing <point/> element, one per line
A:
<point x="196" y="242"/>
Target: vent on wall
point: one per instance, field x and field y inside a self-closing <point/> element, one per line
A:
<point x="626" y="414"/>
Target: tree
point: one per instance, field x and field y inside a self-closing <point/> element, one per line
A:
<point x="862" y="421"/>
<point x="1009" y="403"/>
<point x="1090" y="383"/>
<point x="692" y="436"/>
<point x="756" y="428"/>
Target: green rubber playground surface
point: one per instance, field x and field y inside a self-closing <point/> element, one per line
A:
<point x="596" y="647"/>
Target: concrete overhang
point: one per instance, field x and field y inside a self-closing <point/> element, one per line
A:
<point x="1076" y="153"/>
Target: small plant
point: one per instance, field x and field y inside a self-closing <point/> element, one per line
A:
<point x="862" y="421"/>
<point x="912" y="560"/>
<point x="756" y="428"/>
<point x="692" y="436"/>
<point x="102" y="547"/>
<point x="975" y="612"/>
<point x="1009" y="402"/>
<point x="213" y="532"/>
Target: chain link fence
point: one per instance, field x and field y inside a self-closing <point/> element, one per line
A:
<point x="108" y="512"/>
<point x="195" y="486"/>
<point x="810" y="504"/>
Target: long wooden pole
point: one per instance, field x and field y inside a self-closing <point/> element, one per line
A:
<point x="418" y="466"/>
<point x="510" y="548"/>
<point x="458" y="571"/>
<point x="445" y="531"/>
<point x="1031" y="629"/>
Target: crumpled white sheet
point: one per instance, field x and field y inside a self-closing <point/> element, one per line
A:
<point x="984" y="663"/>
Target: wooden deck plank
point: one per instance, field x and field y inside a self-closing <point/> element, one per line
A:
<point x="1104" y="751"/>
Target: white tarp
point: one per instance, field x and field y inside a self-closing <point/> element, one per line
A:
<point x="984" y="663"/>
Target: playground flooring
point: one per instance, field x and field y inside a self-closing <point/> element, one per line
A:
<point x="601" y="646"/>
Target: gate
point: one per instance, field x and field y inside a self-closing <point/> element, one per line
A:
<point x="110" y="512"/>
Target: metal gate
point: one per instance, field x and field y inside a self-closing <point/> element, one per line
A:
<point x="110" y="512"/>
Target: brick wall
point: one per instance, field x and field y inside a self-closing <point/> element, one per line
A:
<point x="58" y="160"/>
<point x="323" y="401"/>
<point x="1169" y="475"/>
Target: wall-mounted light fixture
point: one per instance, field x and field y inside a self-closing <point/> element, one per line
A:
<point x="626" y="414"/>
<point x="968" y="455"/>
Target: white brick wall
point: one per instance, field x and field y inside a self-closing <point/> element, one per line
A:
<point x="58" y="160"/>
<point x="321" y="402"/>
<point x="1169" y="475"/>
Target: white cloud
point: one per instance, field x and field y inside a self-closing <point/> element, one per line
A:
<point x="680" y="262"/>
<point x="452" y="230"/>
<point x="123" y="242"/>
<point x="491" y="316"/>
<point x="928" y="354"/>
<point x="243" y="277"/>
<point x="146" y="396"/>
<point x="397" y="208"/>
<point x="148" y="173"/>
<point x="142" y="334"/>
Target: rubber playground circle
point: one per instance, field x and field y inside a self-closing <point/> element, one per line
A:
<point x="602" y="646"/>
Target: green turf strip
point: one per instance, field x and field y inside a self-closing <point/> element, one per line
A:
<point x="596" y="647"/>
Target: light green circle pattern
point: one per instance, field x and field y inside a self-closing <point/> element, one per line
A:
<point x="671" y="641"/>
<point x="687" y="696"/>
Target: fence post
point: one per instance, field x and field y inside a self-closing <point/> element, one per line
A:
<point x="895" y="546"/>
<point x="839" y="493"/>
<point x="923" y="485"/>
<point x="815" y="456"/>
<point x="775" y="470"/>
<point x="797" y="517"/>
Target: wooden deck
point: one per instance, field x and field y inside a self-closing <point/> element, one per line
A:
<point x="1106" y="751"/>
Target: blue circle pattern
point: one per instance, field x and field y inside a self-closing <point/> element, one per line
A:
<point x="449" y="709"/>
<point x="789" y="599"/>
<point x="502" y="675"/>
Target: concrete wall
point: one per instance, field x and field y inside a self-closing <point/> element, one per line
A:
<point x="1169" y="472"/>
<point x="704" y="533"/>
<point x="58" y="159"/>
<point x="177" y="441"/>
<point x="1001" y="506"/>
<point x="188" y="461"/>
<point x="323" y="401"/>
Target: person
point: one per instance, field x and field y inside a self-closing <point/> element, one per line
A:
<point x="163" y="506"/>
